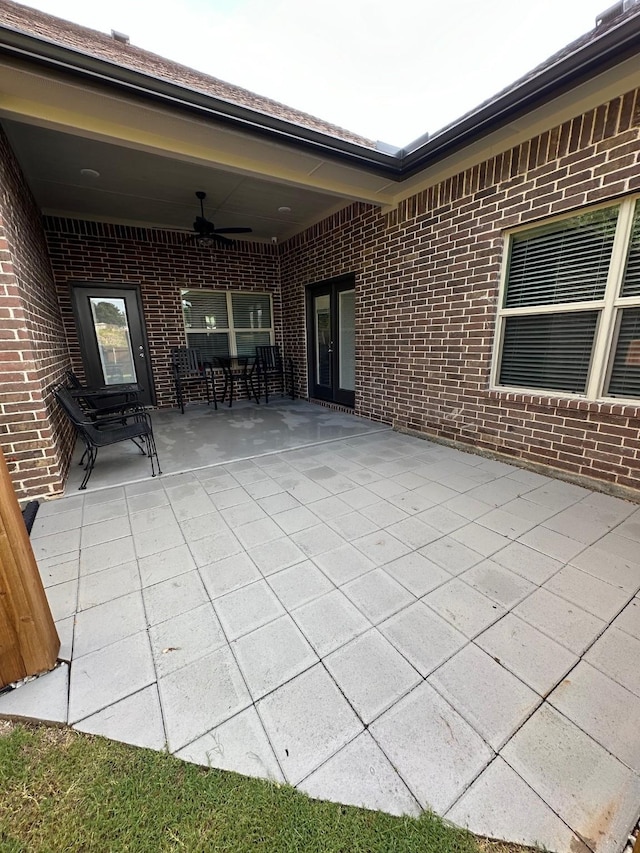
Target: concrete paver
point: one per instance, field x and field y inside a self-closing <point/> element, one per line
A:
<point x="586" y="786"/>
<point x="488" y="696"/>
<point x="240" y="745"/>
<point x="361" y="775"/>
<point x="423" y="637"/>
<point x="483" y="621"/>
<point x="432" y="747"/>
<point x="561" y="620"/>
<point x="501" y="805"/>
<point x="303" y="733"/>
<point x="137" y="720"/>
<point x="603" y="709"/>
<point x="371" y="674"/>
<point x="530" y="655"/>
<point x="272" y="655"/>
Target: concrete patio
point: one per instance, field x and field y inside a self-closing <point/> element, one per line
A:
<point x="374" y="618"/>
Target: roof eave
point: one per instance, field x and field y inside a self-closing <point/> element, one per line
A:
<point x="47" y="54"/>
<point x="614" y="46"/>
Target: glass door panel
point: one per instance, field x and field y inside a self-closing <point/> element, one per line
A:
<point x="322" y="315"/>
<point x="111" y="327"/>
<point x="346" y="335"/>
<point x="331" y="330"/>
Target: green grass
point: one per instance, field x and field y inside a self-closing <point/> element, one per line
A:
<point x="61" y="791"/>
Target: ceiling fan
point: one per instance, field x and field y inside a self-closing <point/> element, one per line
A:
<point x="205" y="233"/>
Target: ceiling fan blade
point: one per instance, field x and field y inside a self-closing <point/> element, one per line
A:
<point x="233" y="230"/>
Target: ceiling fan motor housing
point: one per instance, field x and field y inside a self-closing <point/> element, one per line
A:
<point x="205" y="232"/>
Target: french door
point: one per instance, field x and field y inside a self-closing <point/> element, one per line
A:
<point x="113" y="342"/>
<point x="331" y="341"/>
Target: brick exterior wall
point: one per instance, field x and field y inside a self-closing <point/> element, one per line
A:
<point x="33" y="351"/>
<point x="427" y="283"/>
<point x="161" y="265"/>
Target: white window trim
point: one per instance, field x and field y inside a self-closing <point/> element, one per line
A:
<point x="609" y="307"/>
<point x="230" y="330"/>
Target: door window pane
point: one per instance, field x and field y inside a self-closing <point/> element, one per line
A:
<point x="322" y="310"/>
<point x="347" y="352"/>
<point x="111" y="328"/>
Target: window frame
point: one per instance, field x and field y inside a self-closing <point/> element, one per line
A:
<point x="609" y="309"/>
<point x="230" y="330"/>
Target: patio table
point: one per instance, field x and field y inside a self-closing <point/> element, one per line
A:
<point x="240" y="367"/>
<point x="130" y="391"/>
<point x="105" y="400"/>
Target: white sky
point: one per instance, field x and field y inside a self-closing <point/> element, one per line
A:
<point x="389" y="71"/>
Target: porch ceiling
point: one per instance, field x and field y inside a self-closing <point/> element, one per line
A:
<point x="152" y="158"/>
<point x="156" y="141"/>
<point x="140" y="188"/>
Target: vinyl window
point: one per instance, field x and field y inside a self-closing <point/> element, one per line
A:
<point x="227" y="323"/>
<point x="569" y="318"/>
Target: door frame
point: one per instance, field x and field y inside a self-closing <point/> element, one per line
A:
<point x="83" y="333"/>
<point x="331" y="287"/>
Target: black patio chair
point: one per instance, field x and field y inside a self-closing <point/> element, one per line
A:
<point x="97" y="405"/>
<point x="134" y="426"/>
<point x="271" y="366"/>
<point x="187" y="366"/>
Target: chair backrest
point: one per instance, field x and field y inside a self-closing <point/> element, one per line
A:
<point x="186" y="360"/>
<point x="72" y="380"/>
<point x="269" y="358"/>
<point x="71" y="408"/>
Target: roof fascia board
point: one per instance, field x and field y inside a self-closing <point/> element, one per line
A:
<point x="28" y="48"/>
<point x="612" y="48"/>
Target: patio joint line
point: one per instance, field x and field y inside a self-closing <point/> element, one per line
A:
<point x="540" y="797"/>
<point x="237" y="459"/>
<point x="242" y="675"/>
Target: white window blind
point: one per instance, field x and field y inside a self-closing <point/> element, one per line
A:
<point x="549" y="351"/>
<point x="569" y="320"/>
<point x="565" y="262"/>
<point x="227" y="323"/>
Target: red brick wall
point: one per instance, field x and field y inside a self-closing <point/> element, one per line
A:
<point x="427" y="281"/>
<point x="33" y="351"/>
<point x="427" y="278"/>
<point x="161" y="265"/>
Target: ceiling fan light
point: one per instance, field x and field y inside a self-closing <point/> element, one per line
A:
<point x="205" y="242"/>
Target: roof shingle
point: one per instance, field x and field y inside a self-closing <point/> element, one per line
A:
<point x="93" y="43"/>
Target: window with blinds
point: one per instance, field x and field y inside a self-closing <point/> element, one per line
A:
<point x="569" y="320"/>
<point x="227" y="323"/>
